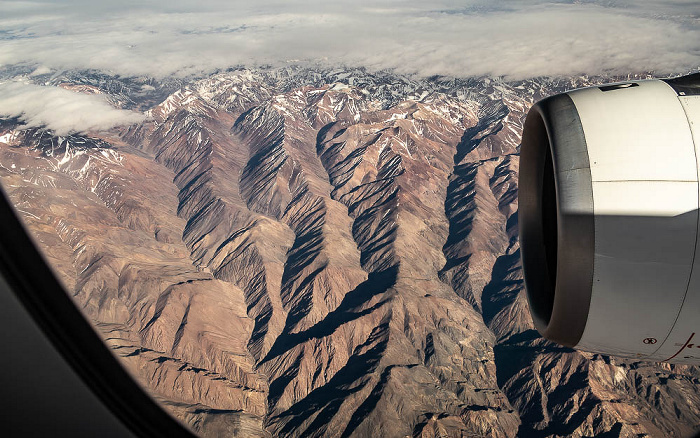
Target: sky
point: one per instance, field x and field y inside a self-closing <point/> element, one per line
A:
<point x="514" y="39"/>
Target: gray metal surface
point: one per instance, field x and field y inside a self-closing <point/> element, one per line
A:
<point x="559" y="291"/>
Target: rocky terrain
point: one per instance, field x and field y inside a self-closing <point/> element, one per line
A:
<point x="299" y="252"/>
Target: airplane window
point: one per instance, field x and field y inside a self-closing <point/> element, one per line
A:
<point x="301" y="219"/>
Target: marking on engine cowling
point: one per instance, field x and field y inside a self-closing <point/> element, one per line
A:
<point x="682" y="348"/>
<point x="650" y="340"/>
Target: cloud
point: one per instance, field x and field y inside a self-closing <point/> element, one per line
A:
<point x="516" y="39"/>
<point x="61" y="110"/>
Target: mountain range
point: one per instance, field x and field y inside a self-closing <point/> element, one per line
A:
<point x="312" y="252"/>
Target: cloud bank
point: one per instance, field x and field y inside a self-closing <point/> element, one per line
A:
<point x="516" y="39"/>
<point x="61" y="110"/>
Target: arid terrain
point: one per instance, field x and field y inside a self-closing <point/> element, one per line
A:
<point x="297" y="252"/>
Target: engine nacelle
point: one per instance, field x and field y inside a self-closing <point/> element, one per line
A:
<point x="608" y="201"/>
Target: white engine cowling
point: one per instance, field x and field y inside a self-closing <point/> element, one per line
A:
<point x="608" y="200"/>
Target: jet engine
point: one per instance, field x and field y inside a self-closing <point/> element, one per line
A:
<point x="608" y="201"/>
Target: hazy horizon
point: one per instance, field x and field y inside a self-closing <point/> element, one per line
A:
<point x="510" y="39"/>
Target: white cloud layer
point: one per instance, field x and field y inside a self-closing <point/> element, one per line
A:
<point x="516" y="39"/>
<point x="61" y="110"/>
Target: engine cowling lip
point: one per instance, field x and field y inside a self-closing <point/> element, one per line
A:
<point x="560" y="314"/>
